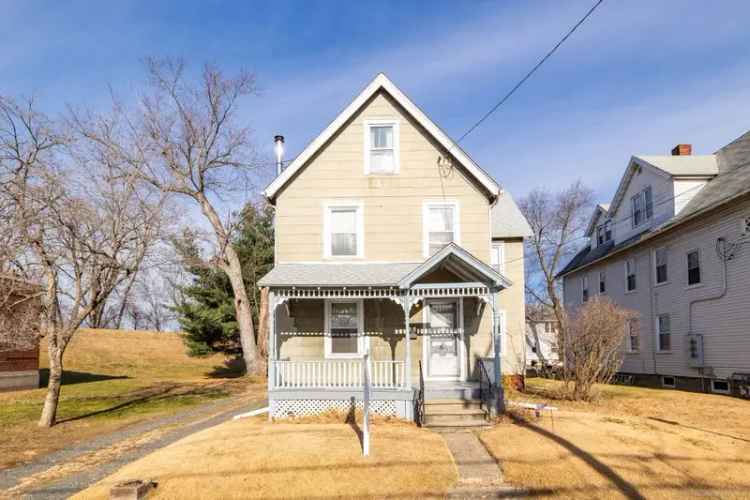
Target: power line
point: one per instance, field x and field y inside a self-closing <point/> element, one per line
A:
<point x="532" y="71"/>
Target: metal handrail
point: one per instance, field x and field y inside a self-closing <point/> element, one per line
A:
<point x="485" y="395"/>
<point x="419" y="400"/>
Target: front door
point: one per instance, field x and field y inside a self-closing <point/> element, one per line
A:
<point x="443" y="341"/>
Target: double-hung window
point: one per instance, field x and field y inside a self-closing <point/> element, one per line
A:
<point x="440" y="221"/>
<point x="497" y="257"/>
<point x="604" y="233"/>
<point x="663" y="333"/>
<point x="642" y="206"/>
<point x="630" y="276"/>
<point x="602" y="282"/>
<point x="585" y="289"/>
<point x="634" y="335"/>
<point x="660" y="265"/>
<point x="344" y="337"/>
<point x="343" y="230"/>
<point x="694" y="267"/>
<point x="381" y="147"/>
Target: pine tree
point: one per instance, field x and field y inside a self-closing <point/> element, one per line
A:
<point x="206" y="312"/>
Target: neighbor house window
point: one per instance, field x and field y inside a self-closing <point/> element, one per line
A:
<point x="604" y="233"/>
<point x="497" y="257"/>
<point x="642" y="206"/>
<point x="664" y="333"/>
<point x="694" y="267"/>
<point x="634" y="335"/>
<point x="720" y="386"/>
<point x="602" y="282"/>
<point x="440" y="220"/>
<point x="381" y="147"/>
<point x="344" y="337"/>
<point x="343" y="230"/>
<point x="660" y="263"/>
<point x="585" y="289"/>
<point x="630" y="284"/>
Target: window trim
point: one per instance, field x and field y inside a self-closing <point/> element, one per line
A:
<point x="501" y="264"/>
<point x="647" y="212"/>
<point x="700" y="267"/>
<point x="657" y="329"/>
<point x="396" y="145"/>
<point x="655" y="266"/>
<point x="426" y="205"/>
<point x="629" y="326"/>
<point x="635" y="274"/>
<point x="363" y="342"/>
<point x="360" y="221"/>
<point x="728" y="390"/>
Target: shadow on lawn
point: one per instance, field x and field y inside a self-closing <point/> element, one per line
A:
<point x="232" y="368"/>
<point x="70" y="377"/>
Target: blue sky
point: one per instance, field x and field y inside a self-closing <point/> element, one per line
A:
<point x="637" y="78"/>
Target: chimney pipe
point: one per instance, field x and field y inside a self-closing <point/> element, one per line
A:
<point x="278" y="148"/>
<point x="682" y="150"/>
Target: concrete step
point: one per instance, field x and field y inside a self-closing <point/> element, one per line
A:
<point x="452" y="404"/>
<point x="465" y="415"/>
<point x="451" y="392"/>
<point x="458" y="425"/>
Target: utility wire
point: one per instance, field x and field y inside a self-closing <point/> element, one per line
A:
<point x="533" y="70"/>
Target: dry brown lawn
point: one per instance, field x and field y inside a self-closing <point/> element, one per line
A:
<point x="631" y="443"/>
<point x="112" y="378"/>
<point x="252" y="458"/>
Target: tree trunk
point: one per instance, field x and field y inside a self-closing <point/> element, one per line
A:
<point x="49" y="412"/>
<point x="243" y="311"/>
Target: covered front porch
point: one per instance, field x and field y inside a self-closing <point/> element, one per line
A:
<point x="421" y="330"/>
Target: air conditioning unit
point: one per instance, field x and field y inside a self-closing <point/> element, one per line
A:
<point x="695" y="350"/>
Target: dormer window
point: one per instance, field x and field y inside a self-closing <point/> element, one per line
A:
<point x="381" y="147"/>
<point x="642" y="206"/>
<point x="604" y="233"/>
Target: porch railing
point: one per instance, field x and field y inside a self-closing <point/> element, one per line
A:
<point x="337" y="374"/>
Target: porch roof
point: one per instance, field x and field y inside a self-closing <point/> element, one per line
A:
<point x="401" y="275"/>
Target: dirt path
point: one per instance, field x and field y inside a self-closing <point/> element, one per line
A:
<point x="62" y="473"/>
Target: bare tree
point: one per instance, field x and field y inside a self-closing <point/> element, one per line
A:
<point x="558" y="221"/>
<point x="596" y="332"/>
<point x="19" y="314"/>
<point x="183" y="139"/>
<point x="82" y="225"/>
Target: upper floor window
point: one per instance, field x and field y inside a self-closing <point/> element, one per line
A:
<point x="343" y="230"/>
<point x="664" y="333"/>
<point x="381" y="147"/>
<point x="660" y="265"/>
<point x="694" y="267"/>
<point x="602" y="282"/>
<point x="497" y="257"/>
<point x="642" y="206"/>
<point x="440" y="221"/>
<point x="630" y="276"/>
<point x="585" y="289"/>
<point x="604" y="233"/>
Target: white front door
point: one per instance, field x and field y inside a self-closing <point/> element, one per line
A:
<point x="443" y="342"/>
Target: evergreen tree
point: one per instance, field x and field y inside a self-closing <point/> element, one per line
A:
<point x="206" y="312"/>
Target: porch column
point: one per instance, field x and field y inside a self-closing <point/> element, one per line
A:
<point x="407" y="338"/>
<point x="499" y="403"/>
<point x="271" y="339"/>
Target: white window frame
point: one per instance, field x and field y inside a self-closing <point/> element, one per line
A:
<point x="363" y="343"/>
<point x="656" y="274"/>
<point x="426" y="205"/>
<point x="629" y="329"/>
<point x="728" y="390"/>
<point x="602" y="279"/>
<point x="635" y="273"/>
<point x="657" y="329"/>
<point x="673" y="385"/>
<point x="687" y="267"/>
<point x="645" y="214"/>
<point x="360" y="219"/>
<point x="501" y="324"/>
<point x="396" y="144"/>
<point x="497" y="248"/>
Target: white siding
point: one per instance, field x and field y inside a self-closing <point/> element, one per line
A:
<point x="684" y="190"/>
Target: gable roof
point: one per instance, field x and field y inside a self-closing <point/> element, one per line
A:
<point x="601" y="209"/>
<point x="507" y="220"/>
<point x="381" y="82"/>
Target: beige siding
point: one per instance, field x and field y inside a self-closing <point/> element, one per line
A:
<point x="392" y="204"/>
<point x="724" y="323"/>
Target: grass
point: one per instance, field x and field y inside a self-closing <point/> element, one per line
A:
<point x="630" y="443"/>
<point x="252" y="458"/>
<point x="112" y="378"/>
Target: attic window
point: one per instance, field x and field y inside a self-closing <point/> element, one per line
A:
<point x="381" y="147"/>
<point x="642" y="207"/>
<point x="604" y="233"/>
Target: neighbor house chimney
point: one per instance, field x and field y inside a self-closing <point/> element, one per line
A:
<point x="682" y="150"/>
<point x="278" y="147"/>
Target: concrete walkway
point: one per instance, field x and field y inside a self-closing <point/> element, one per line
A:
<point x="65" y="472"/>
<point x="479" y="474"/>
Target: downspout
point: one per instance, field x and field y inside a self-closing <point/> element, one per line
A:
<point x="652" y="305"/>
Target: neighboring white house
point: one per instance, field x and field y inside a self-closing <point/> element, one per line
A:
<point x="674" y="246"/>
<point x="541" y="338"/>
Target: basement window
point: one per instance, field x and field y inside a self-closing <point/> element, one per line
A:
<point x="669" y="382"/>
<point x="720" y="386"/>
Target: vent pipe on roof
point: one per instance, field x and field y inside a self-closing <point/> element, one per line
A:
<point x="278" y="147"/>
<point x="682" y="150"/>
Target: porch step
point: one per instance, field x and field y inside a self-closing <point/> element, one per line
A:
<point x="452" y="404"/>
<point x="464" y="390"/>
<point x="450" y="416"/>
<point x="455" y="426"/>
<point x="454" y="414"/>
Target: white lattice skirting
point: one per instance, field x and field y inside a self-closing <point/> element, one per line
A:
<point x="305" y="407"/>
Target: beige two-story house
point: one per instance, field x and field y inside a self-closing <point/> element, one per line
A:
<point x="674" y="246"/>
<point x="392" y="245"/>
